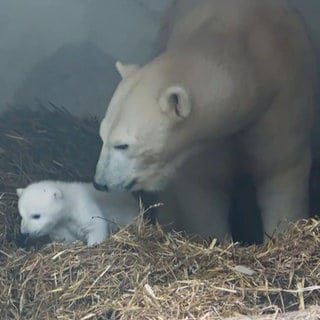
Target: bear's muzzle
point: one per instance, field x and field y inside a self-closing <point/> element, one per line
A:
<point x="100" y="187"/>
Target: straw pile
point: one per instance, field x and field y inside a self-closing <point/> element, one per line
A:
<point x="141" y="272"/>
<point x="43" y="143"/>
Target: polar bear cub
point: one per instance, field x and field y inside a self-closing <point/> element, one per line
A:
<point x="69" y="211"/>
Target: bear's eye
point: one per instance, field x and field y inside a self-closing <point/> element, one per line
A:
<point x="36" y="216"/>
<point x="121" y="146"/>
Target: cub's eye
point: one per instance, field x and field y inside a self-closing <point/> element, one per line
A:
<point x="36" y="216"/>
<point x="121" y="146"/>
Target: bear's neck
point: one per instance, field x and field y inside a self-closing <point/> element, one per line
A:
<point x="225" y="97"/>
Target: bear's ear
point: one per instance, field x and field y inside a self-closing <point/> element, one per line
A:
<point x="19" y="191"/>
<point x="175" y="100"/>
<point x="126" y="69"/>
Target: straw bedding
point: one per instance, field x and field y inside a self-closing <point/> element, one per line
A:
<point x="141" y="272"/>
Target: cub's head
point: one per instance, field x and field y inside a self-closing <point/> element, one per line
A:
<point x="143" y="132"/>
<point x="41" y="207"/>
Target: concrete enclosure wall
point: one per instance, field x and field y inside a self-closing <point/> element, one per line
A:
<point x="64" y="51"/>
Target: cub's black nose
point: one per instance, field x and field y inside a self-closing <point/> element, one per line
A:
<point x="21" y="239"/>
<point x="100" y="187"/>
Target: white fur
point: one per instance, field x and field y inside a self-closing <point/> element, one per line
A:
<point x="69" y="211"/>
<point x="126" y="69"/>
<point x="247" y="73"/>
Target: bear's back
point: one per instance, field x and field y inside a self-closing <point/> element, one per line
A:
<point x="267" y="35"/>
<point x="185" y="17"/>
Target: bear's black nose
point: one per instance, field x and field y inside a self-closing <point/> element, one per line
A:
<point x="100" y="187"/>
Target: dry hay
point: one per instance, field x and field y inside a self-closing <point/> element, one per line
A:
<point x="141" y="272"/>
<point x="46" y="143"/>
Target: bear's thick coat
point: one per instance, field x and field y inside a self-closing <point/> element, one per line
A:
<point x="237" y="77"/>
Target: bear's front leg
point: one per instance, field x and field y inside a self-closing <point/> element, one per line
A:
<point x="283" y="195"/>
<point x="198" y="197"/>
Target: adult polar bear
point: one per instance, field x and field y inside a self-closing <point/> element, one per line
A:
<point x="236" y="71"/>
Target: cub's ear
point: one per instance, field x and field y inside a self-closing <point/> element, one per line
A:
<point x="176" y="101"/>
<point x="126" y="69"/>
<point x="19" y="191"/>
<point x="57" y="194"/>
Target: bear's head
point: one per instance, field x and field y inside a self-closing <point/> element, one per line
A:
<point x="143" y="132"/>
<point x="41" y="207"/>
